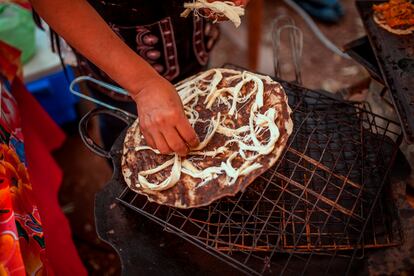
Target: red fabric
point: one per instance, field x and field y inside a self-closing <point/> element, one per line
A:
<point x="42" y="136"/>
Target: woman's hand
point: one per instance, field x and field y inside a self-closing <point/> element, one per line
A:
<point x="161" y="118"/>
<point x="241" y="3"/>
<point x="161" y="114"/>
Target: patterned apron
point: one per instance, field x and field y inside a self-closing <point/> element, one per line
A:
<point x="176" y="47"/>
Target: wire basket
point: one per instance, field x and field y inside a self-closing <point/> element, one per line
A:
<point x="317" y="210"/>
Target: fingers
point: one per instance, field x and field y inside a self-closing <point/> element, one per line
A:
<point x="148" y="138"/>
<point x="172" y="138"/>
<point x="242" y="3"/>
<point x="187" y="133"/>
<point x="162" y="120"/>
<point x="175" y="142"/>
<point x="160" y="143"/>
<point x="212" y="16"/>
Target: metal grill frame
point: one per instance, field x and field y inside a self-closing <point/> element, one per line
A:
<point x="292" y="223"/>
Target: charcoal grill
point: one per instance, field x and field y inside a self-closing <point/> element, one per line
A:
<point x="320" y="209"/>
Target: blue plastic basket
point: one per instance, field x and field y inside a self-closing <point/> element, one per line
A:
<point x="53" y="94"/>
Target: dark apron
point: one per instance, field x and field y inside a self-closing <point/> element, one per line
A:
<point x="176" y="47"/>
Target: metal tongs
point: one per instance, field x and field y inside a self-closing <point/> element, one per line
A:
<point x="283" y="24"/>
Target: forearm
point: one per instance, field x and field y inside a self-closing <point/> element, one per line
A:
<point x="83" y="28"/>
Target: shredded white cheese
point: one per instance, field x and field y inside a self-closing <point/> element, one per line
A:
<point x="168" y="182"/>
<point x="219" y="8"/>
<point x="247" y="137"/>
<point x="210" y="134"/>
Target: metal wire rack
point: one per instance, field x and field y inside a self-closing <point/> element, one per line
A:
<point x="318" y="209"/>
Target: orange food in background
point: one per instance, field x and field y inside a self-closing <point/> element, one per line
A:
<point x="396" y="13"/>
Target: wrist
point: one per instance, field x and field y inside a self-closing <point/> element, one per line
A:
<point x="139" y="86"/>
<point x="133" y="74"/>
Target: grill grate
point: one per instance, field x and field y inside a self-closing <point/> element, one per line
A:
<point x="320" y="207"/>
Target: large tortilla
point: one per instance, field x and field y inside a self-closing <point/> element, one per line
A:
<point x="190" y="191"/>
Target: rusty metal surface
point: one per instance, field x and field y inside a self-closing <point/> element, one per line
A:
<point x="395" y="56"/>
<point x="316" y="211"/>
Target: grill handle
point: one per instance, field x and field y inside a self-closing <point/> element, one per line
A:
<point x="83" y="128"/>
<point x="73" y="87"/>
<point x="285" y="24"/>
